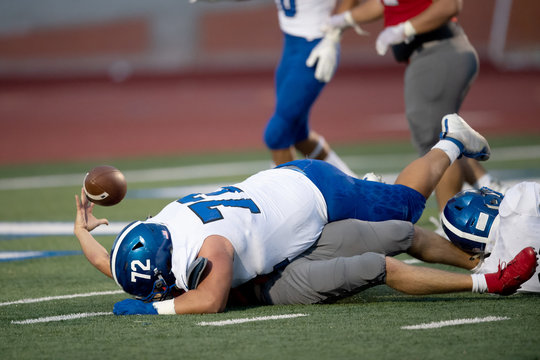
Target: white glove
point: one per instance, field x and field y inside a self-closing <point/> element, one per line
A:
<point x="342" y="21"/>
<point x="402" y="32"/>
<point x="325" y="54"/>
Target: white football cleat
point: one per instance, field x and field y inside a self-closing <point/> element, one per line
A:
<point x="373" y="177"/>
<point x="469" y="141"/>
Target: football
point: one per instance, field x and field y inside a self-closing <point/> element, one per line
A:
<point x="105" y="185"/>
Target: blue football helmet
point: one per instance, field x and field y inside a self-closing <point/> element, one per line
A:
<point x="468" y="216"/>
<point x="141" y="261"/>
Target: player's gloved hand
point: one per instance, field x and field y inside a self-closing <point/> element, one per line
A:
<point x="325" y="54"/>
<point x="342" y="21"/>
<point x="134" y="307"/>
<point x="402" y="32"/>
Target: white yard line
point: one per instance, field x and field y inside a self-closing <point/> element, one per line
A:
<point x="440" y="324"/>
<point x="43" y="228"/>
<point x="204" y="323"/>
<point x="61" y="297"/>
<point x="245" y="320"/>
<point x="137" y="176"/>
<point x="237" y="168"/>
<point x="59" y="318"/>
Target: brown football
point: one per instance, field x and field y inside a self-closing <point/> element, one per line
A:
<point x="105" y="185"/>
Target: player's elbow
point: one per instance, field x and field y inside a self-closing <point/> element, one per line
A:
<point x="100" y="262"/>
<point x="453" y="7"/>
<point x="214" y="306"/>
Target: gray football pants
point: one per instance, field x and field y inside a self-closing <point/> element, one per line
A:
<point x="437" y="79"/>
<point x="348" y="257"/>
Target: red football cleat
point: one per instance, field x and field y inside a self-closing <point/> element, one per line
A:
<point x="509" y="277"/>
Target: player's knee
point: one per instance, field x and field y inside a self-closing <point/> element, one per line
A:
<point x="401" y="233"/>
<point x="352" y="273"/>
<point x="424" y="130"/>
<point x="278" y="134"/>
<point x="373" y="268"/>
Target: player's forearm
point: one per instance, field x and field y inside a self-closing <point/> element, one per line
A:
<point x="195" y="302"/>
<point x="345" y="5"/>
<point x="96" y="254"/>
<point x="367" y="12"/>
<point x="439" y="13"/>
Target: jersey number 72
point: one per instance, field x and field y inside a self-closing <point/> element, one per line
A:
<point x="206" y="208"/>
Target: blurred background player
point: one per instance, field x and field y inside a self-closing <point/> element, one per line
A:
<point x="308" y="61"/>
<point x="441" y="66"/>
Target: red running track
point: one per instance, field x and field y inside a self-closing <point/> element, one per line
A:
<point x="97" y="119"/>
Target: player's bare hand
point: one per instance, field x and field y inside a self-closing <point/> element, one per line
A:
<point x="85" y="219"/>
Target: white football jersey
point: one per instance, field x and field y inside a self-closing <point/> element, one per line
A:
<point x="516" y="227"/>
<point x="271" y="216"/>
<point x="304" y="18"/>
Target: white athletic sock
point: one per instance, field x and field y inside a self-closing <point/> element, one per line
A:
<point x="479" y="283"/>
<point x="450" y="148"/>
<point x="335" y="160"/>
<point x="484" y="180"/>
<point x="317" y="151"/>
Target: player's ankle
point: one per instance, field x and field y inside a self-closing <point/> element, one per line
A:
<point x="450" y="148"/>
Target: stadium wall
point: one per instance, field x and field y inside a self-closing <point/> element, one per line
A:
<point x="60" y="38"/>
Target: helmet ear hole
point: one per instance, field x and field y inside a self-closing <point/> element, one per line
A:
<point x="138" y="245"/>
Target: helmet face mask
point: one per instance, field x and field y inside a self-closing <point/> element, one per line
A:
<point x="141" y="261"/>
<point x="468" y="218"/>
<point x="160" y="290"/>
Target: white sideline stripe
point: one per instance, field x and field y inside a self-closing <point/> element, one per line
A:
<point x="440" y="324"/>
<point x="237" y="168"/>
<point x="137" y="176"/>
<point x="245" y="320"/>
<point x="59" y="318"/>
<point x="61" y="297"/>
<point x="54" y="228"/>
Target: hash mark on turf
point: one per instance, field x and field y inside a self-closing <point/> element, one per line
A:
<point x="59" y="318"/>
<point x="61" y="297"/>
<point x="439" y="324"/>
<point x="244" y="320"/>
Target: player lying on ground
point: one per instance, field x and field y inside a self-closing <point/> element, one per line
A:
<point x="206" y="244"/>
<point x="352" y="255"/>
<point x="497" y="227"/>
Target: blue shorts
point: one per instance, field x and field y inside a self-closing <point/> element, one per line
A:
<point x="296" y="91"/>
<point x="351" y="198"/>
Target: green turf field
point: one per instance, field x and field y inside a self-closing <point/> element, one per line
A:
<point x="369" y="325"/>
